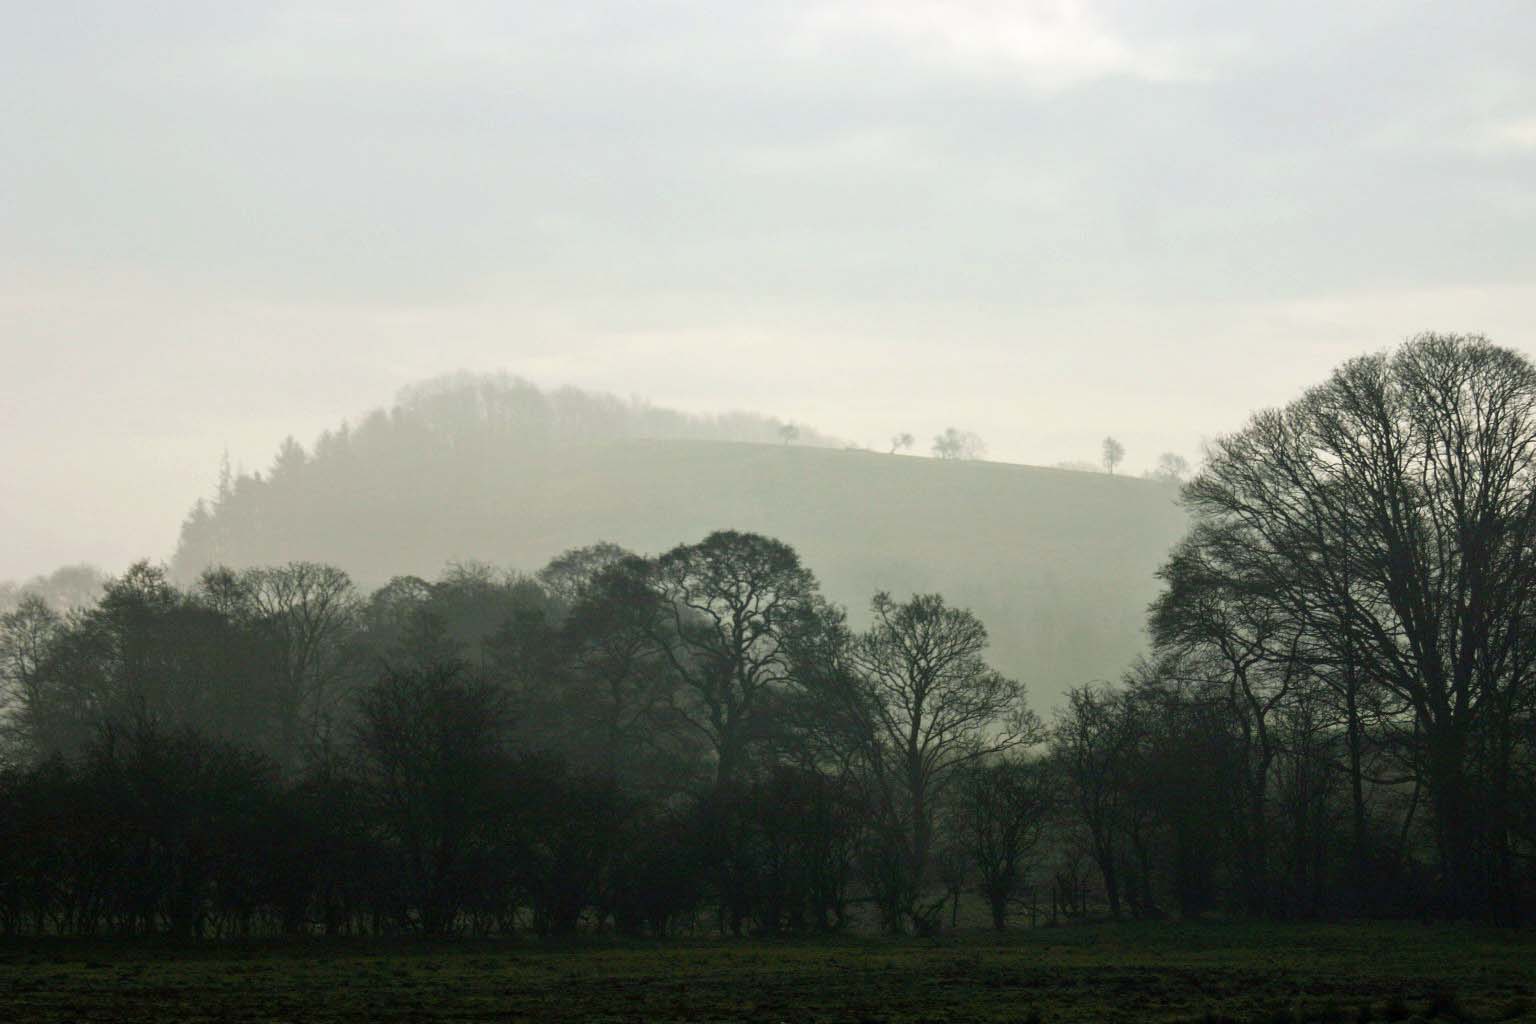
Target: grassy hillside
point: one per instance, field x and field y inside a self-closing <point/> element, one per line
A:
<point x="1059" y="564"/>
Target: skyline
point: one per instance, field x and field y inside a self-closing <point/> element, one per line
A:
<point x="1044" y="222"/>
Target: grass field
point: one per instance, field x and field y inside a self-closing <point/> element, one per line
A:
<point x="1091" y="973"/>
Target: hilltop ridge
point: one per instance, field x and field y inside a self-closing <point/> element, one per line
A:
<point x="1058" y="563"/>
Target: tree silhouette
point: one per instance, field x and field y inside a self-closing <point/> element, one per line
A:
<point x="958" y="444"/>
<point x="1113" y="454"/>
<point x="920" y="703"/>
<point x="726" y="604"/>
<point x="1171" y="468"/>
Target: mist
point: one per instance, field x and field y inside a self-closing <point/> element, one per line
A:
<point x="866" y="510"/>
<point x="1044" y="222"/>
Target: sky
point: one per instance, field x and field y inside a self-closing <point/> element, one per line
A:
<point x="1045" y="222"/>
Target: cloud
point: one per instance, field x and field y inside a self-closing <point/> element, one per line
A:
<point x="1512" y="134"/>
<point x="223" y="223"/>
<point x="1049" y="44"/>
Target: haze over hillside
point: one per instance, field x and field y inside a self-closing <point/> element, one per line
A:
<point x="1058" y="564"/>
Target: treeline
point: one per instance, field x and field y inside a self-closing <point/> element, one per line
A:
<point x="1337" y="719"/>
<point x="439" y="437"/>
<point x="642" y="744"/>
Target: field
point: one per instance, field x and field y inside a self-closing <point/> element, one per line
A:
<point x="1091" y="973"/>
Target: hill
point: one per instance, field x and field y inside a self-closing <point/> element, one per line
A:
<point x="1059" y="564"/>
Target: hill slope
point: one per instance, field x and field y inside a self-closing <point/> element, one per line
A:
<point x="1058" y="564"/>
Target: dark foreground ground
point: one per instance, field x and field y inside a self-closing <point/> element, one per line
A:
<point x="1088" y="973"/>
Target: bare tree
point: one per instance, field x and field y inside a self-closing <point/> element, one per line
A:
<point x="306" y="610"/>
<point x="902" y="442"/>
<point x="569" y="574"/>
<point x="1113" y="454"/>
<point x="958" y="444"/>
<point x="620" y="676"/>
<point x="1236" y="640"/>
<point x="1001" y="813"/>
<point x="1092" y="741"/>
<point x="726" y="604"/>
<point x="921" y="704"/>
<point x="66" y="589"/>
<point x="26" y="636"/>
<point x="1171" y="468"/>
<point x="1392" y="513"/>
<point x="789" y="433"/>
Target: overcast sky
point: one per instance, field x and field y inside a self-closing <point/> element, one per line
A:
<point x="1042" y="221"/>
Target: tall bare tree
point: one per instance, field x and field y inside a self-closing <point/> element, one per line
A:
<point x="1094" y="741"/>
<point x="306" y="610"/>
<point x="921" y="704"/>
<point x="621" y="679"/>
<point x="1392" y="512"/>
<point x="727" y="603"/>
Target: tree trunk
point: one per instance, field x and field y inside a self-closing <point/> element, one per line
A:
<point x="1448" y="796"/>
<point x="1355" y="738"/>
<point x="999" y="906"/>
<point x="1106" y="860"/>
